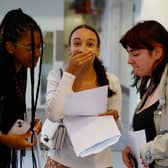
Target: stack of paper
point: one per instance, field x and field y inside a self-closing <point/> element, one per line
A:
<point x="136" y="140"/>
<point x="90" y="135"/>
<point x="88" y="132"/>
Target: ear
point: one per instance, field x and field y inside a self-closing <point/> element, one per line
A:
<point x="10" y="47"/>
<point x="68" y="50"/>
<point x="158" y="53"/>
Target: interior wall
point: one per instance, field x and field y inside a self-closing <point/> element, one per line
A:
<point x="154" y="9"/>
<point x="49" y="14"/>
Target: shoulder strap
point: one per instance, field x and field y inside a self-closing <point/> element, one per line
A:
<point x="61" y="72"/>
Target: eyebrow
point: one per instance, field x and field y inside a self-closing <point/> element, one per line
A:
<point x="76" y="38"/>
<point x="131" y="50"/>
<point x="90" y="39"/>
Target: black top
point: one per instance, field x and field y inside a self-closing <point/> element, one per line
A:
<point x="12" y="100"/>
<point x="145" y="120"/>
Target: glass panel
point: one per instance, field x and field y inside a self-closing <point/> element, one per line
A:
<point x="47" y="63"/>
<point x="78" y="12"/>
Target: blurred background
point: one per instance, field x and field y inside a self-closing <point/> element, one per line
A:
<point x="111" y="18"/>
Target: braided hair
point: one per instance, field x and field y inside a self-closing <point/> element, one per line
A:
<point x="13" y="27"/>
<point x="15" y="24"/>
<point x="98" y="66"/>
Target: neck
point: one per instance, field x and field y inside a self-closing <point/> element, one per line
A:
<point x="87" y="74"/>
<point x="18" y="67"/>
<point x="86" y="80"/>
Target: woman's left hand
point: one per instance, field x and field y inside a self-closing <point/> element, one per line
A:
<point x="143" y="163"/>
<point x="112" y="112"/>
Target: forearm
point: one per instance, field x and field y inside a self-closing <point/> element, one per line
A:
<point x="56" y="97"/>
<point x="2" y="138"/>
<point x="156" y="150"/>
<point x="6" y="139"/>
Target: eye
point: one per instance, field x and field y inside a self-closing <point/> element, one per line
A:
<point x="76" y="44"/>
<point x="135" y="54"/>
<point x="91" y="45"/>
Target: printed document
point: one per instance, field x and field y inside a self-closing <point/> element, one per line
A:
<point x="88" y="132"/>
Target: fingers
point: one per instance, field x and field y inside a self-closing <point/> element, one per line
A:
<point x="28" y="144"/>
<point x="79" y="62"/>
<point x="29" y="139"/>
<point x="85" y="58"/>
<point x="24" y="141"/>
<point x="125" y="158"/>
<point x="143" y="162"/>
<point x="114" y="113"/>
<point x="82" y="58"/>
<point x="37" y="126"/>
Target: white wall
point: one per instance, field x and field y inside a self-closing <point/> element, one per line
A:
<point x="117" y="18"/>
<point x="49" y="14"/>
<point x="155" y="9"/>
<point x="127" y="20"/>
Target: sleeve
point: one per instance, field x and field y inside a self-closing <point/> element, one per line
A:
<point x="115" y="101"/>
<point x="57" y="90"/>
<point x="156" y="150"/>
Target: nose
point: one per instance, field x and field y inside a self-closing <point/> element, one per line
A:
<point x="83" y="48"/>
<point x="130" y="60"/>
<point x="37" y="53"/>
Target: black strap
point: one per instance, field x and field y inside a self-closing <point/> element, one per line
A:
<point x="61" y="72"/>
<point x="34" y="101"/>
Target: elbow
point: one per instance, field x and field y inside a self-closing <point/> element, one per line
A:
<point x="52" y="113"/>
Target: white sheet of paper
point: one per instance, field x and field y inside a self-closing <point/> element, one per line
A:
<point x="88" y="102"/>
<point x="136" y="140"/>
<point x="90" y="135"/>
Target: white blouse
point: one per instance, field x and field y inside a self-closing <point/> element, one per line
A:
<point x="57" y="89"/>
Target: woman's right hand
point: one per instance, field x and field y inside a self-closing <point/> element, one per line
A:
<point x="78" y="61"/>
<point x="17" y="141"/>
<point x="126" y="160"/>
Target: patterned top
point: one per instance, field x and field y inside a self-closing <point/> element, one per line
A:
<point x="157" y="150"/>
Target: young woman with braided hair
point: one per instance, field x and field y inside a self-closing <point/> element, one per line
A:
<point x="84" y="71"/>
<point x="18" y="31"/>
